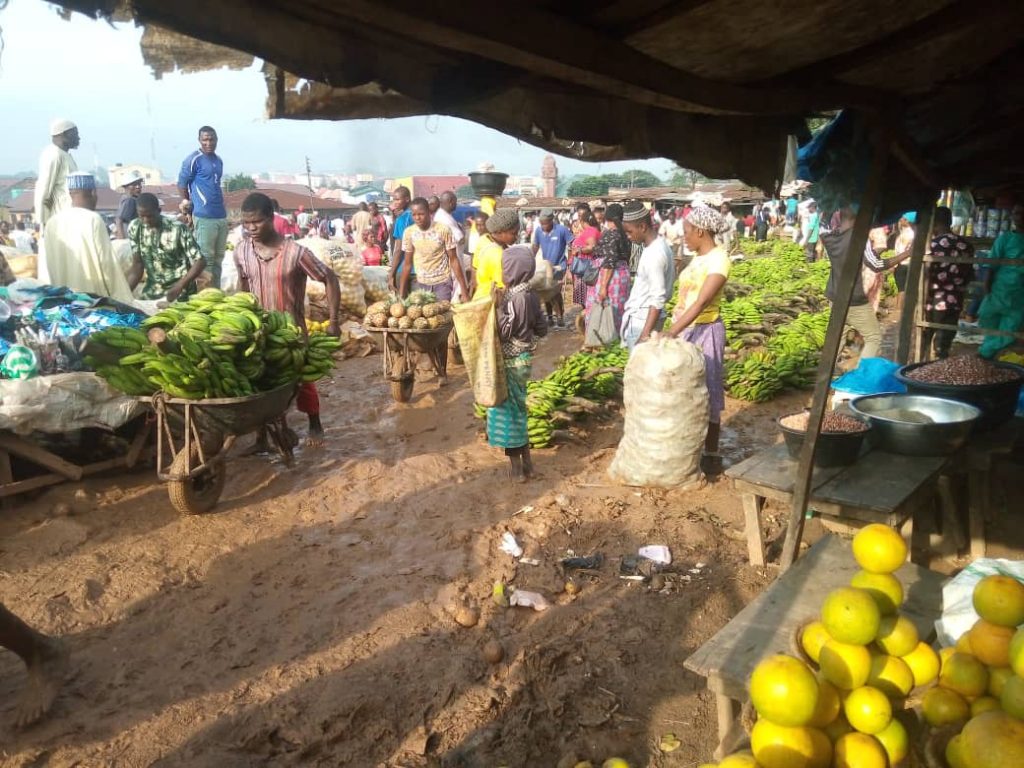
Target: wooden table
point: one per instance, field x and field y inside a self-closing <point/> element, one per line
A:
<point x="879" y="488"/>
<point x="979" y="456"/>
<point x="768" y="625"/>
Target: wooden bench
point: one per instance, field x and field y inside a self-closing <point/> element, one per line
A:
<point x="878" y="488"/>
<point x="768" y="624"/>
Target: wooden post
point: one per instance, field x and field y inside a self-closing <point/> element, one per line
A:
<point x="914" y="293"/>
<point x="846" y="280"/>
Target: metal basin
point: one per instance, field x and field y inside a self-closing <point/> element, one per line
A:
<point x="916" y="425"/>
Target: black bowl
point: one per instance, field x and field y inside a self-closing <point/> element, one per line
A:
<point x="834" y="449"/>
<point x="490" y="183"/>
<point x="997" y="402"/>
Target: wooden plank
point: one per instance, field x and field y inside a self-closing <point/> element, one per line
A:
<point x="31" y="484"/>
<point x="912" y="298"/>
<point x="768" y="624"/>
<point x="19" y="446"/>
<point x="774" y="468"/>
<point x="752" y="506"/>
<point x="6" y="475"/>
<point x="880" y="481"/>
<point x="848" y="276"/>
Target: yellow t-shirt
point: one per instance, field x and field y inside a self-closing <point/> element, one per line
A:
<point x="487" y="266"/>
<point x="691" y="280"/>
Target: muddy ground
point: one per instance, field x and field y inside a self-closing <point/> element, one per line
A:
<point x="310" y="619"/>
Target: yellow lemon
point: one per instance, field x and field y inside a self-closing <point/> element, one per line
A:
<point x="879" y="549"/>
<point x="776" y="746"/>
<point x="1012" y="697"/>
<point x="845" y="666"/>
<point x="1000" y="599"/>
<point x="897" y="635"/>
<point x="942" y="706"/>
<point x="858" y="750"/>
<point x="993" y="740"/>
<point x="867" y="709"/>
<point x="923" y="662"/>
<point x="984" y="704"/>
<point x="851" y="616"/>
<point x="812" y="637"/>
<point x="828" y="704"/>
<point x="890" y="675"/>
<point x="964" y="674"/>
<point x="883" y="587"/>
<point x="996" y="679"/>
<point x="894" y="741"/>
<point x="614" y="762"/>
<point x="784" y="690"/>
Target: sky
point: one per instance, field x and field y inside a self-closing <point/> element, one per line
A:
<point x="124" y="115"/>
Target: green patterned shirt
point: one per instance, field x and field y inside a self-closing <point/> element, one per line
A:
<point x="167" y="254"/>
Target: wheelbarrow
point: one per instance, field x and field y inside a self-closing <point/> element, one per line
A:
<point x="401" y="348"/>
<point x="194" y="436"/>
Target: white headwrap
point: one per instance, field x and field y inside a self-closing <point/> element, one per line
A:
<point x="57" y="127"/>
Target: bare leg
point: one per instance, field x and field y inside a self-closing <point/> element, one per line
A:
<point x="528" y="470"/>
<point x="515" y="458"/>
<point x="442" y="357"/>
<point x="711" y="463"/>
<point x="46" y="659"/>
<point x="315" y="438"/>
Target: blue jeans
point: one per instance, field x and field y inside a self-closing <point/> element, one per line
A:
<point x="212" y="239"/>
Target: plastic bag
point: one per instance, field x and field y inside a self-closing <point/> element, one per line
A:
<point x="601" y="330"/>
<point x="375" y="283"/>
<point x="958" y="613"/>
<point x="476" y="326"/>
<point x="666" y="400"/>
<point x="872" y="376"/>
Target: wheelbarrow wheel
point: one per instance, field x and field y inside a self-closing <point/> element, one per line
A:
<point x="401" y="390"/>
<point x="199" y="493"/>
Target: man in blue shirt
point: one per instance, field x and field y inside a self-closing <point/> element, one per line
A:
<point x="400" y="198"/>
<point x="199" y="182"/>
<point x="552" y="239"/>
<point x="791" y="208"/>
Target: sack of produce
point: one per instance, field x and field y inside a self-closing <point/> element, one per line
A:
<point x="375" y="283"/>
<point x="601" y="327"/>
<point x="350" y="278"/>
<point x="666" y="400"/>
<point x="476" y="325"/>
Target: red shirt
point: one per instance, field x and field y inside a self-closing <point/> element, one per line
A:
<point x="371" y="256"/>
<point x="283" y="226"/>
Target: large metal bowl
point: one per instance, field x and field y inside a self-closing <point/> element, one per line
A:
<point x="998" y="402"/>
<point x="916" y="425"/>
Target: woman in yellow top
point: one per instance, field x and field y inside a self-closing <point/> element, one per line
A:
<point x="502" y="231"/>
<point x="697" y="319"/>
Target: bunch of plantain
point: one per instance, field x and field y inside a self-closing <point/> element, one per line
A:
<point x="210" y="346"/>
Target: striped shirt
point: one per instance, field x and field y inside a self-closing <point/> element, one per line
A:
<point x="280" y="281"/>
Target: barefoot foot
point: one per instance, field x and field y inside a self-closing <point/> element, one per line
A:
<point x="46" y="674"/>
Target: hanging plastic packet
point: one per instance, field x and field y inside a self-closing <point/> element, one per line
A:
<point x="20" y="362"/>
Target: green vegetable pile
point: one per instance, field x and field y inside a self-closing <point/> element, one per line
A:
<point x="210" y="346"/>
<point x="775" y="314"/>
<point x="575" y="388"/>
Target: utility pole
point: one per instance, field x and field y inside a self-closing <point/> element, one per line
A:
<point x="309" y="183"/>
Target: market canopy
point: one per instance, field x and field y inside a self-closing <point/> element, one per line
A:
<point x="715" y="85"/>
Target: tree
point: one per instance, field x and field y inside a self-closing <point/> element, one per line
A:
<point x="239" y="181"/>
<point x="588" y="186"/>
<point x="684" y="177"/>
<point x="596" y="186"/>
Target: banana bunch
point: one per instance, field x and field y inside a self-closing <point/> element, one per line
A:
<point x="754" y="378"/>
<point x="211" y="346"/>
<point x="539" y="431"/>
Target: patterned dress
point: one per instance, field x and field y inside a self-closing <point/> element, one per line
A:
<point x="588" y="236"/>
<point x="167" y="253"/>
<point x="612" y="252"/>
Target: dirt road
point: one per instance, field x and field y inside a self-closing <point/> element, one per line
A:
<point x="309" y="619"/>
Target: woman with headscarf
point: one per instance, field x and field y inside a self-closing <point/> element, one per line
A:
<point x="583" y="248"/>
<point x="520" y="321"/>
<point x="903" y="245"/>
<point x="697" y="318"/>
<point x="502" y="231"/>
<point x="611" y="254"/>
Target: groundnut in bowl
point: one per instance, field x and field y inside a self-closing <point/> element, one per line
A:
<point x="991" y="387"/>
<point x="840" y="441"/>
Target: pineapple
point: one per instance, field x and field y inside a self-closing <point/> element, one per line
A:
<point x="404" y="323"/>
<point x="392" y="322"/>
<point x="379" y="320"/>
<point x="444" y="305"/>
<point x="430" y="310"/>
<point x="397" y="310"/>
<point x="414" y="312"/>
<point x="420" y="323"/>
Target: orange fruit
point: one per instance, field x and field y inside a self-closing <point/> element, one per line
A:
<point x="942" y="706"/>
<point x="879" y="549"/>
<point x="858" y="750"/>
<point x="964" y="674"/>
<point x="845" y="666"/>
<point x="776" y="746"/>
<point x="894" y="741"/>
<point x="851" y="616"/>
<point x="984" y="704"/>
<point x="923" y="663"/>
<point x="964" y="643"/>
<point x="829" y="704"/>
<point x="897" y="635"/>
<point x="945" y="654"/>
<point x="1012" y="697"/>
<point x="1000" y="599"/>
<point x="993" y="740"/>
<point x="1017" y="652"/>
<point x="883" y="587"/>
<point x="990" y="643"/>
<point x="890" y="675"/>
<point x="868" y="710"/>
<point x="955" y="754"/>
<point x="812" y="637"/>
<point x="997" y="677"/>
<point x="784" y="690"/>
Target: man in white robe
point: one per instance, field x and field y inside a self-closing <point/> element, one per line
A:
<point x="55" y="163"/>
